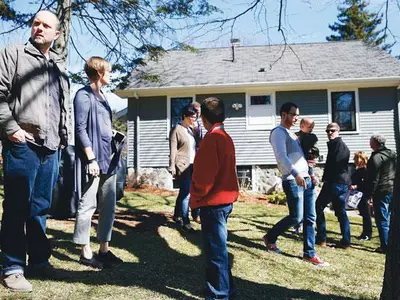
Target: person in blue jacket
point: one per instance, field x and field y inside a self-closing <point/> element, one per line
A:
<point x="97" y="161"/>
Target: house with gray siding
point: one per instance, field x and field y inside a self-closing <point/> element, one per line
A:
<point x="349" y="82"/>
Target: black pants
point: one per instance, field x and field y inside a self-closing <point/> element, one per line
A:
<point x="363" y="208"/>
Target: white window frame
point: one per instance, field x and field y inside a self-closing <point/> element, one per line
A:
<point x="357" y="106"/>
<point x="248" y="104"/>
<point x="193" y="96"/>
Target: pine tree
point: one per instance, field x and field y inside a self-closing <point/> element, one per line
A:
<point x="355" y="22"/>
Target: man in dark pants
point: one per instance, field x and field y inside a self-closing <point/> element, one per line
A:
<point x="336" y="180"/>
<point x="34" y="92"/>
<point x="381" y="170"/>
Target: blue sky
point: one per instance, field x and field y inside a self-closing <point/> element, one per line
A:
<point x="305" y="21"/>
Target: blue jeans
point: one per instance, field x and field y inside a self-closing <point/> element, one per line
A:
<point x="219" y="283"/>
<point x="30" y="174"/>
<point x="335" y="193"/>
<point x="182" y="201"/>
<point x="301" y="204"/>
<point x="381" y="203"/>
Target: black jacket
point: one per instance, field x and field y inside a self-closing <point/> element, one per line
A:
<point x="381" y="170"/>
<point x="336" y="167"/>
<point x="308" y="142"/>
<point x="359" y="179"/>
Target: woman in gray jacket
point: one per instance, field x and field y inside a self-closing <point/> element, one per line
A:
<point x="182" y="151"/>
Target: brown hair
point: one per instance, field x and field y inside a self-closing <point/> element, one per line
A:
<point x="213" y="110"/>
<point x="360" y="158"/>
<point x="96" y="65"/>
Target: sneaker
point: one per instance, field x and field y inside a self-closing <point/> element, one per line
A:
<point x="316" y="261"/>
<point x="108" y="259"/>
<point x="91" y="262"/>
<point x="17" y="283"/>
<point x="188" y="228"/>
<point x="364" y="238"/>
<point x="271" y="246"/>
<point x="46" y="272"/>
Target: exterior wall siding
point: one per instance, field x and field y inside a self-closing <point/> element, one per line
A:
<point x="152" y="146"/>
<point x="376" y="115"/>
<point x="312" y="104"/>
<point x="252" y="146"/>
<point x="131" y="134"/>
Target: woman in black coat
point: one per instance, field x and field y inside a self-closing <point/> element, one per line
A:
<point x="358" y="181"/>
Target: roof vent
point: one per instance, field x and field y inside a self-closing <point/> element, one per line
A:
<point x="261" y="70"/>
<point x="235" y="42"/>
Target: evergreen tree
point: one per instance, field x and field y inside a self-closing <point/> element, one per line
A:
<point x="355" y="22"/>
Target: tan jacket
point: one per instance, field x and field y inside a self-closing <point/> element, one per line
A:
<point x="179" y="149"/>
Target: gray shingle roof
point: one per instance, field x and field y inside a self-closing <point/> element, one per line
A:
<point x="314" y="61"/>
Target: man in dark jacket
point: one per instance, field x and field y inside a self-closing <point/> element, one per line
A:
<point x="336" y="180"/>
<point x="381" y="170"/>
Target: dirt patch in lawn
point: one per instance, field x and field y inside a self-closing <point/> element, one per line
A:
<point x="244" y="196"/>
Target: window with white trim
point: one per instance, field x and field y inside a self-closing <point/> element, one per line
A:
<point x="260" y="111"/>
<point x="344" y="110"/>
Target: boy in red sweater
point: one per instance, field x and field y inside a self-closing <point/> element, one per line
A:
<point x="214" y="188"/>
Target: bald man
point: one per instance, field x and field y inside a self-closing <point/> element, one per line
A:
<point x="34" y="93"/>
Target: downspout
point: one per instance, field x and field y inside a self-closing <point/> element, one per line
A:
<point x="397" y="121"/>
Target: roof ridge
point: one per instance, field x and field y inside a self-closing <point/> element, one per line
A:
<point x="269" y="45"/>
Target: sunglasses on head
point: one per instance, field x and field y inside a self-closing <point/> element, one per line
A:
<point x="330" y="130"/>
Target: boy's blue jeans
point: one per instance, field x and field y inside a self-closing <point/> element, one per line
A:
<point x="219" y="283"/>
<point x="30" y="174"/>
<point x="301" y="204"/>
<point x="335" y="193"/>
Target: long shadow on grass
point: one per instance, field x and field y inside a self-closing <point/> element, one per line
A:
<point x="162" y="269"/>
<point x="159" y="268"/>
<point x="251" y="290"/>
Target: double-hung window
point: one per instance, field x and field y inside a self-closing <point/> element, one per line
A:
<point x="175" y="106"/>
<point x="344" y="108"/>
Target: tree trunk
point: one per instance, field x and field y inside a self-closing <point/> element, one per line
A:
<point x="63" y="13"/>
<point x="391" y="279"/>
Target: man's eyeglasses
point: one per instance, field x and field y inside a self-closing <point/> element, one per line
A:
<point x="330" y="130"/>
<point x="293" y="114"/>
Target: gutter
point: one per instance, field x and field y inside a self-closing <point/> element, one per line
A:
<point x="276" y="85"/>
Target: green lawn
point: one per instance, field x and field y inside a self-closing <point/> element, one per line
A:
<point x="163" y="263"/>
